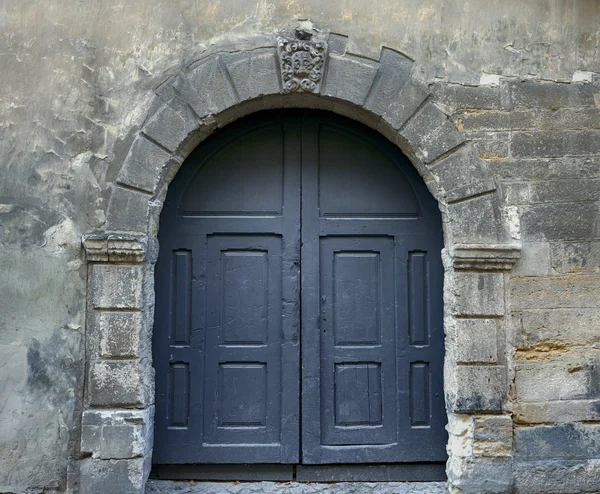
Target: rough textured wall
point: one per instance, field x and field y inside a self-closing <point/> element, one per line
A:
<point x="76" y="80"/>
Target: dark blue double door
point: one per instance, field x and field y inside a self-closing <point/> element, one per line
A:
<point x="298" y="304"/>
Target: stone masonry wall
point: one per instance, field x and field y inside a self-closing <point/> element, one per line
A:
<point x="519" y="80"/>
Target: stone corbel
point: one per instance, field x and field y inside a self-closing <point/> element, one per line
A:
<point x="111" y="247"/>
<point x="482" y="257"/>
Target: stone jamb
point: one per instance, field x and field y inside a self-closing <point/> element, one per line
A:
<point x="226" y="85"/>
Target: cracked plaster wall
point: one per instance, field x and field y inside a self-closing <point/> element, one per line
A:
<point x="76" y="82"/>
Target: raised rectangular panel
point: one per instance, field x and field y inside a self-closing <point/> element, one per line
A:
<point x="242" y="395"/>
<point x="418" y="296"/>
<point x="420" y="407"/>
<point x="182" y="297"/>
<point x="356" y="298"/>
<point x="244" y="297"/>
<point x="358" y="394"/>
<point x="179" y="390"/>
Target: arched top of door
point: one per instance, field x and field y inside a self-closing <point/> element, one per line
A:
<point x="317" y="73"/>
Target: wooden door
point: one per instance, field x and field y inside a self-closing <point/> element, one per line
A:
<point x="292" y="226"/>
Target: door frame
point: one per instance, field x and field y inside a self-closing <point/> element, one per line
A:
<point x="481" y="243"/>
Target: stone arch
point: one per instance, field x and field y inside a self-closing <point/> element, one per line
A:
<point x="117" y="420"/>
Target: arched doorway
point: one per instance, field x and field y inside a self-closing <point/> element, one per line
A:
<point x="298" y="314"/>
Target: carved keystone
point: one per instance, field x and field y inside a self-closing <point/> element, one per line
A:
<point x="301" y="62"/>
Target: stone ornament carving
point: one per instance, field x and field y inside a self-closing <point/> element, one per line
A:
<point x="301" y="62"/>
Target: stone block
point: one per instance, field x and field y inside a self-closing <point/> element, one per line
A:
<point x="479" y="294"/>
<point x="479" y="475"/>
<point x="116" y="383"/>
<point x="569" y="118"/>
<point x="560" y="442"/>
<point x="495" y="120"/>
<point x="568" y="221"/>
<point x="490" y="145"/>
<point x="570" y="190"/>
<point x="404" y="106"/>
<point x="348" y="78"/>
<point x="114" y="476"/>
<point x="534" y="260"/>
<point x="561" y="379"/>
<point x="533" y="94"/>
<point x="144" y="165"/>
<point x="254" y="73"/>
<point x="564" y="477"/>
<point x="171" y="128"/>
<point x="116" y="286"/>
<point x="477" y="340"/>
<point x="457" y="97"/>
<point x="546" y="169"/>
<point x="117" y="434"/>
<point x="127" y="211"/>
<point x="117" y="334"/>
<point x="515" y="193"/>
<point x="479" y="388"/>
<point x="207" y="73"/>
<point x="557" y="412"/>
<point x="553" y="292"/>
<point x="462" y="175"/>
<point x="430" y="133"/>
<point x="394" y="72"/>
<point x="575" y="257"/>
<point x="572" y="326"/>
<point x="549" y="143"/>
<point x="492" y="435"/>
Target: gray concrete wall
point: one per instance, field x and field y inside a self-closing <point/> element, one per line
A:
<point x="77" y="80"/>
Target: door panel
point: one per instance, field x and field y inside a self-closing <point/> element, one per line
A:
<point x="226" y="348"/>
<point x="371" y="302"/>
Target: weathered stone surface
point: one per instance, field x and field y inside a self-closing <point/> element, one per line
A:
<point x="568" y="221"/>
<point x="473" y="220"/>
<point x="554" y="292"/>
<point x="571" y="326"/>
<point x="348" y="78"/>
<point x="430" y="133"/>
<point x="254" y="73"/>
<point x="493" y="435"/>
<point x="406" y="103"/>
<point x="477" y="340"/>
<point x="144" y="163"/>
<point x="490" y="145"/>
<point x="394" y="72"/>
<point x="575" y="257"/>
<point x="127" y="211"/>
<point x="546" y="168"/>
<point x="117" y="434"/>
<point x="556" y="412"/>
<point x="116" y="334"/>
<point x="116" y="383"/>
<point x="569" y="377"/>
<point x="116" y="286"/>
<point x="570" y="118"/>
<point x="165" y="486"/>
<point x="192" y="87"/>
<point x="463" y="175"/>
<point x="561" y="442"/>
<point x="533" y="94"/>
<point x="459" y="97"/>
<point x="479" y="475"/>
<point x="478" y="388"/>
<point x="171" y="128"/>
<point x="495" y="120"/>
<point x="534" y="260"/>
<point x="479" y="294"/>
<point x="114" y="476"/>
<point x="549" y="144"/>
<point x="557" y="477"/>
